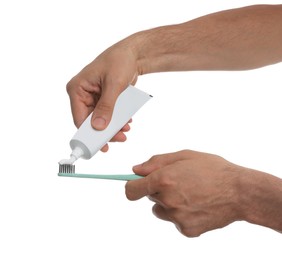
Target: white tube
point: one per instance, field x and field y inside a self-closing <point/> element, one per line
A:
<point x="88" y="141"/>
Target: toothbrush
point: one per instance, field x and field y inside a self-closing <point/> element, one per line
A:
<point x="69" y="171"/>
<point x="87" y="141"/>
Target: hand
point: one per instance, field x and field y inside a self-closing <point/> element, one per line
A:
<point x="99" y="84"/>
<point x="196" y="191"/>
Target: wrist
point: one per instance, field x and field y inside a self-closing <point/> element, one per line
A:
<point x="156" y="50"/>
<point x="138" y="44"/>
<point x="260" y="198"/>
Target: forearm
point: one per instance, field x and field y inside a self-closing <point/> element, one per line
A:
<point x="237" y="39"/>
<point x="261" y="199"/>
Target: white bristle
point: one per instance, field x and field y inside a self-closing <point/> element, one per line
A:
<point x="66" y="168"/>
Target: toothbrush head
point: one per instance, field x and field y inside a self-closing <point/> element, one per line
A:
<point x="66" y="168"/>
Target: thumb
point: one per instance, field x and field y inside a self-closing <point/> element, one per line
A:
<point x="103" y="111"/>
<point x="157" y="162"/>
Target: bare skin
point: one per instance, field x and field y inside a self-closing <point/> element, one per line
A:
<point x="191" y="191"/>
<point x="200" y="192"/>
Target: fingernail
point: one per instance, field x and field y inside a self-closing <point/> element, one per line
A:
<point x="99" y="123"/>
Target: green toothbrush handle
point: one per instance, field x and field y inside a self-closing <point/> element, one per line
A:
<point x="118" y="177"/>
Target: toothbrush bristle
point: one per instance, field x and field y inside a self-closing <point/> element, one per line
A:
<point x="66" y="168"/>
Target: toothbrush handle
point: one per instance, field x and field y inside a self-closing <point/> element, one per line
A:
<point x="119" y="177"/>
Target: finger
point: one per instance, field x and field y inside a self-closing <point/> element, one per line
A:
<point x="137" y="189"/>
<point x="160" y="212"/>
<point x="79" y="112"/>
<point x="126" y="128"/>
<point x="119" y="137"/>
<point x="105" y="148"/>
<point x="158" y="161"/>
<point x="103" y="111"/>
<point x="79" y="109"/>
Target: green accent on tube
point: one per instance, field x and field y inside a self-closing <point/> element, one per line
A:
<point x="121" y="177"/>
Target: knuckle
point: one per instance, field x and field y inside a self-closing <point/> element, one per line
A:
<point x="157" y="210"/>
<point x="74" y="83"/>
<point x="188" y="231"/>
<point x="104" y="106"/>
<point x="185" y="153"/>
<point x="69" y="86"/>
<point x="186" y="224"/>
<point x="165" y="181"/>
<point x="155" y="158"/>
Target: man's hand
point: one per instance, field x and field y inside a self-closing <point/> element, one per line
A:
<point x="200" y="192"/>
<point x="196" y="191"/>
<point x="99" y="84"/>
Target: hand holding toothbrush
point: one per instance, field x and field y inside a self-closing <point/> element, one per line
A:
<point x="199" y="192"/>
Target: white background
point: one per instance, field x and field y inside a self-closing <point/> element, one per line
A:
<point x="234" y="114"/>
